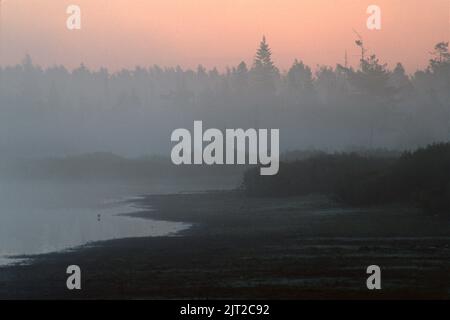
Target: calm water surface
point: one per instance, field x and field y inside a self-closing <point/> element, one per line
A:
<point x="42" y="217"/>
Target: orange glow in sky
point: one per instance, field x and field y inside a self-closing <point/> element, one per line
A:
<point x="126" y="33"/>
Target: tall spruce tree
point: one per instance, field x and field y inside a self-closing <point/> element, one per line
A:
<point x="264" y="70"/>
<point x="263" y="58"/>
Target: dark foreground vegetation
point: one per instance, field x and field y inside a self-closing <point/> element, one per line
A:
<point x="421" y="178"/>
<point x="252" y="248"/>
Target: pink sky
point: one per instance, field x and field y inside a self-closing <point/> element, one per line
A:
<point x="126" y="33"/>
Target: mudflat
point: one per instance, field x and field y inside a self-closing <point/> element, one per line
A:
<point x="256" y="248"/>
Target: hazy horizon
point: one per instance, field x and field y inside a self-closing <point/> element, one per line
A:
<point x="219" y="34"/>
<point x="131" y="113"/>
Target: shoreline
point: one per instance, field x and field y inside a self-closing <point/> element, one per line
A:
<point x="116" y="212"/>
<point x="238" y="247"/>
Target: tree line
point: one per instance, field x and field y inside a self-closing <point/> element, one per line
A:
<point x="131" y="112"/>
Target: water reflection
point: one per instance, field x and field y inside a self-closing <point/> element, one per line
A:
<point x="45" y="217"/>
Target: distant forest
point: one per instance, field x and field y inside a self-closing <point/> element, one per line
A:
<point x="56" y="112"/>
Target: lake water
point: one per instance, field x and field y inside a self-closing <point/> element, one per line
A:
<point x="42" y="217"/>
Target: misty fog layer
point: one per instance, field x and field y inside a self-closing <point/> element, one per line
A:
<point x="54" y="112"/>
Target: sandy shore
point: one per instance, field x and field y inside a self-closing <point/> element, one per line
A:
<point x="296" y="248"/>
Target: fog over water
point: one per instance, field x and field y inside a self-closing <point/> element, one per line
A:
<point x="54" y="112"/>
<point x="42" y="217"/>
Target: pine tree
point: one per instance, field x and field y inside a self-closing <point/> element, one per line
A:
<point x="398" y="78"/>
<point x="299" y="77"/>
<point x="241" y="69"/>
<point x="264" y="71"/>
<point x="441" y="54"/>
<point x="263" y="58"/>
